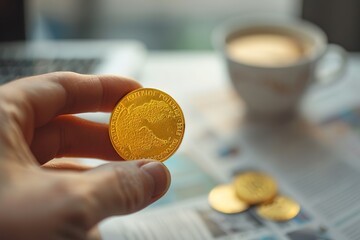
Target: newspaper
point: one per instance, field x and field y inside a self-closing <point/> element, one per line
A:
<point x="326" y="184"/>
<point x="316" y="161"/>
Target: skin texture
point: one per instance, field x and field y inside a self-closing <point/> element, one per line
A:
<point x="40" y="199"/>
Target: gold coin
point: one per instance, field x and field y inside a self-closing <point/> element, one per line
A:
<point x="223" y="199"/>
<point x="255" y="187"/>
<point x="280" y="209"/>
<point x="146" y="124"/>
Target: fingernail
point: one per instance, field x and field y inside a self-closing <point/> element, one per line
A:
<point x="160" y="175"/>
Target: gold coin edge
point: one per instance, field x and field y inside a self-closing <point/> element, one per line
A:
<point x="222" y="211"/>
<point x="261" y="213"/>
<point x="182" y="117"/>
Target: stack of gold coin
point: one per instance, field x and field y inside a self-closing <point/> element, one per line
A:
<point x="256" y="189"/>
<point x="146" y="124"/>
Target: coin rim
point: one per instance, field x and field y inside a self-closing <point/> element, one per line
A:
<point x="278" y="219"/>
<point x="182" y="117"/>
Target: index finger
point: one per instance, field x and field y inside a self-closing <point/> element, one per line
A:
<point x="46" y="96"/>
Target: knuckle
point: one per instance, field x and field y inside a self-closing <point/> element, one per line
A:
<point x="5" y="112"/>
<point x="64" y="142"/>
<point x="129" y="188"/>
<point x="9" y="110"/>
<point x="61" y="74"/>
<point x="76" y="202"/>
<point x="11" y="119"/>
<point x="78" y="215"/>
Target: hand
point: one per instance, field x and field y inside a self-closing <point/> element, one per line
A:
<point x="41" y="203"/>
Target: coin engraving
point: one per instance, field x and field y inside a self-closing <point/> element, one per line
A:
<point x="146" y="123"/>
<point x="280" y="209"/>
<point x="255" y="187"/>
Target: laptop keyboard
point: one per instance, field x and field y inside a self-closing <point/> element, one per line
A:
<point x="11" y="69"/>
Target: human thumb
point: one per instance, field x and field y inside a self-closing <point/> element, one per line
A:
<point x="123" y="188"/>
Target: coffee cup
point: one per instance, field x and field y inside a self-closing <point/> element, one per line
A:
<point x="272" y="62"/>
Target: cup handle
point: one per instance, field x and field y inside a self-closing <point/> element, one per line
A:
<point x="332" y="65"/>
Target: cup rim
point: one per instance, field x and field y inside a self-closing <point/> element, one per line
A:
<point x="221" y="33"/>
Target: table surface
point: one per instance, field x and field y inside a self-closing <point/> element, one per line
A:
<point x="183" y="74"/>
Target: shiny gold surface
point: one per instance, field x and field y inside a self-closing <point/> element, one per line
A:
<point x="255" y="187"/>
<point x="280" y="209"/>
<point x="223" y="199"/>
<point x="146" y="124"/>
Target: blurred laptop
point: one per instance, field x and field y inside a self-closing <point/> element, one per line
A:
<point x="19" y="57"/>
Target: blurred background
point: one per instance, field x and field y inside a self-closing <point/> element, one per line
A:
<point x="179" y="24"/>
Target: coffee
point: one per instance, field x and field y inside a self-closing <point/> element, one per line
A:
<point x="271" y="62"/>
<point x="265" y="49"/>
